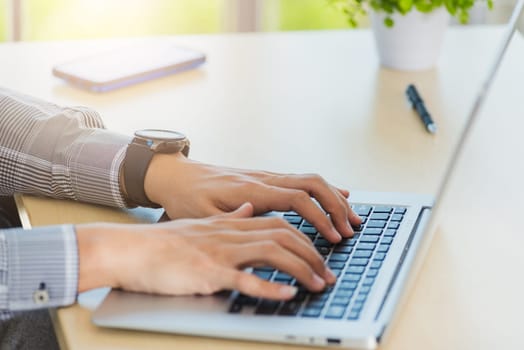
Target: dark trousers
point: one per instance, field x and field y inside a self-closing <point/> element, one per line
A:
<point x="27" y="330"/>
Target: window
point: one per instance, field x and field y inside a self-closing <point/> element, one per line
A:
<point x="76" y="19"/>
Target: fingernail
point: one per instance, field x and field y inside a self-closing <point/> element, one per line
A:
<point x="288" y="291"/>
<point x="337" y="236"/>
<point x="330" y="276"/>
<point x="318" y="282"/>
<point x="350" y="229"/>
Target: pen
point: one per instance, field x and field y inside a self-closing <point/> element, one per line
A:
<point x="418" y="104"/>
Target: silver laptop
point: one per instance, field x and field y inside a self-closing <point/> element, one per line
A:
<point x="374" y="270"/>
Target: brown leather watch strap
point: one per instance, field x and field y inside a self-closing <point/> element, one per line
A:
<point x="136" y="162"/>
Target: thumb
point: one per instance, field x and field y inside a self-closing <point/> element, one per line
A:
<point x="244" y="211"/>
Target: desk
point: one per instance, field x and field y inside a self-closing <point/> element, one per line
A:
<point x="318" y="102"/>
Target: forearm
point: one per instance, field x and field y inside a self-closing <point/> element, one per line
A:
<point x="38" y="268"/>
<point x="59" y="152"/>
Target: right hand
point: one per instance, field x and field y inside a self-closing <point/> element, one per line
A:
<point x="199" y="256"/>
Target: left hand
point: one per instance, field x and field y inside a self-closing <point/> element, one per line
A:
<point x="189" y="189"/>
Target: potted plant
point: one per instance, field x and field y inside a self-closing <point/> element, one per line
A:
<point x="408" y="33"/>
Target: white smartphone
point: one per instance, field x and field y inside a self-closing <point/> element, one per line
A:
<point x="128" y="65"/>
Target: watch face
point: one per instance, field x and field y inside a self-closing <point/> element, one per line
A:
<point x="160" y="134"/>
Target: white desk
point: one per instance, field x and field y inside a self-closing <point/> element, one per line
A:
<point x="318" y="102"/>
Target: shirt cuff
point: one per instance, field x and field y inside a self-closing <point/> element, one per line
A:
<point x="41" y="268"/>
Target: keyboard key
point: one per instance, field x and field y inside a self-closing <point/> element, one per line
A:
<point x="368" y="281"/>
<point x="316" y="304"/>
<point x="247" y="300"/>
<point x="308" y="230"/>
<point x="382" y="209"/>
<point x="355" y="269"/>
<point x="336" y="264"/>
<point x="294" y="220"/>
<point x="349" y="284"/>
<point x="353" y="315"/>
<point x="390" y="232"/>
<point x="400" y="210"/>
<point x="342" y="301"/>
<point x="235" y="308"/>
<point x="358" y="228"/>
<point x="348" y="242"/>
<point x="366" y="246"/>
<point x="369" y="239"/>
<point x="361" y="298"/>
<point x="265" y="275"/>
<point x="375" y="264"/>
<point x="267" y="307"/>
<point x="397" y="217"/>
<point x="362" y="210"/>
<point x="289" y="308"/>
<point x="324" y="251"/>
<point x="380" y="256"/>
<point x="319" y="297"/>
<point x="337" y="272"/>
<point x="372" y="273"/>
<point x="376" y="223"/>
<point x="264" y="268"/>
<point x="358" y="262"/>
<point x="393" y="225"/>
<point x="321" y="242"/>
<point x="379" y="216"/>
<point x="357" y="307"/>
<point x="335" y="312"/>
<point x="364" y="290"/>
<point x="386" y="240"/>
<point x="362" y="254"/>
<point x="343" y="293"/>
<point x="339" y="257"/>
<point x="311" y="312"/>
<point x="343" y="249"/>
<point x="372" y="231"/>
<point x="283" y="276"/>
<point x="349" y="278"/>
<point x="383" y="248"/>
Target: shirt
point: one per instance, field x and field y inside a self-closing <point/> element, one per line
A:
<point x="62" y="152"/>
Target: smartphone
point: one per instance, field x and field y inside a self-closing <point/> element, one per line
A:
<point x="124" y="66"/>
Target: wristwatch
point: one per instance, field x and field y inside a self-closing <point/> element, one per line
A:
<point x="138" y="156"/>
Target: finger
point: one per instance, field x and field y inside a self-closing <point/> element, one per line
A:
<point x="244" y="211"/>
<point x="289" y="241"/>
<point x="252" y="285"/>
<point x="273" y="254"/>
<point x="261" y="223"/>
<point x="343" y="192"/>
<point x="327" y="196"/>
<point x="353" y="217"/>
<point x="282" y="199"/>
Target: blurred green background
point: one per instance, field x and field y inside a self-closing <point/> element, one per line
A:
<point x="74" y="19"/>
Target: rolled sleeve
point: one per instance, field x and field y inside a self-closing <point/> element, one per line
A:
<point x="61" y="152"/>
<point x="39" y="268"/>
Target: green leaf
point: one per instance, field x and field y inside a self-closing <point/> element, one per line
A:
<point x="405" y="5"/>
<point x="388" y="22"/>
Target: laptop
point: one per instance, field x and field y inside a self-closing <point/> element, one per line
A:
<point x="374" y="270"/>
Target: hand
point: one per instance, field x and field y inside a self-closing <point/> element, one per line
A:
<point x="199" y="256"/>
<point x="186" y="188"/>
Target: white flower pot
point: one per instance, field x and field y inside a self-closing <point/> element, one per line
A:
<point x="414" y="41"/>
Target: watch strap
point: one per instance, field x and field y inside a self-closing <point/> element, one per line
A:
<point x="136" y="163"/>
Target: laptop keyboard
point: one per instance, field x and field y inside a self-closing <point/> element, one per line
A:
<point x="356" y="262"/>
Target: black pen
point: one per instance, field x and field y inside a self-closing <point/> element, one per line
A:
<point x="418" y="104"/>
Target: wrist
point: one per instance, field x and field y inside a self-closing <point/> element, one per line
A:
<point x="95" y="255"/>
<point x="159" y="175"/>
